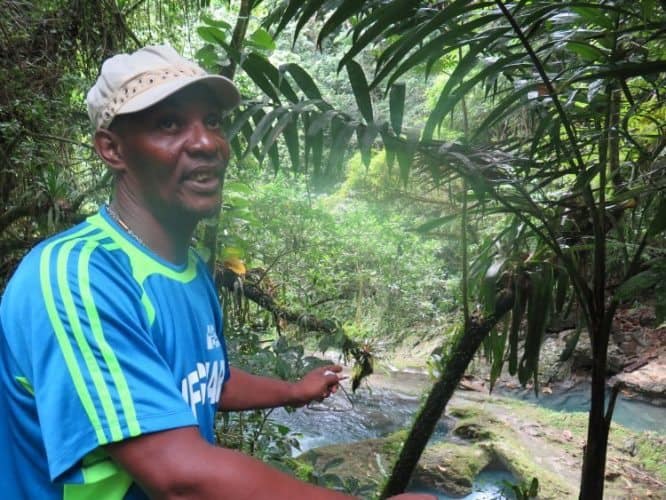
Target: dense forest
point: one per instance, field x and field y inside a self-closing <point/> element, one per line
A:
<point x="460" y="172"/>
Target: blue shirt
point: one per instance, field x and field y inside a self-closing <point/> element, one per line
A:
<point x="101" y="340"/>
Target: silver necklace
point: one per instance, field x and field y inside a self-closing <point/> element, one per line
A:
<point x="114" y="215"/>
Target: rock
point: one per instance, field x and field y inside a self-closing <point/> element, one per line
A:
<point x="648" y="382"/>
<point x="551" y="369"/>
<point x="471" y="431"/>
<point x="612" y="475"/>
<point x="582" y="355"/>
<point x="452" y="467"/>
<point x="629" y="447"/>
<point x="508" y="434"/>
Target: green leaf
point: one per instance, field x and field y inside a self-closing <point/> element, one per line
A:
<point x="292" y="8"/>
<point x="291" y="139"/>
<point x="303" y="80"/>
<point x="241" y="119"/>
<point x="538" y="308"/>
<point x="562" y="287"/>
<point x="262" y="128"/>
<point x="247" y="131"/>
<point x="277" y="129"/>
<point x="261" y="73"/>
<point x="498" y="346"/>
<point x="637" y="284"/>
<point x="490" y="284"/>
<point x="405" y="155"/>
<point x="381" y="19"/>
<point x="435" y="223"/>
<point x="517" y="313"/>
<point x="274" y="157"/>
<point x="308" y="10"/>
<point x="397" y="106"/>
<point x="394" y="53"/>
<point x="207" y="56"/>
<point x="341" y="139"/>
<point x="365" y="138"/>
<point x="360" y="88"/>
<point x="586" y="51"/>
<point x="463" y="68"/>
<point x="658" y="223"/>
<point x="594" y="15"/>
<point x="433" y="49"/>
<point x="504" y="109"/>
<point x="216" y="23"/>
<point x="342" y="14"/>
<point x="262" y="39"/>
<point x="237" y="187"/>
<point x="212" y="35"/>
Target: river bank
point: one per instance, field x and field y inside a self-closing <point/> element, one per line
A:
<point x="636" y="358"/>
<point x="479" y="432"/>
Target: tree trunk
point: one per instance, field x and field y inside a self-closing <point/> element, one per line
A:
<point x="599" y="419"/>
<point x="594" y="461"/>
<point x="240" y="30"/>
<point x="460" y="356"/>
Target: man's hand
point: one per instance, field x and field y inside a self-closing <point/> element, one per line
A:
<point x="316" y="385"/>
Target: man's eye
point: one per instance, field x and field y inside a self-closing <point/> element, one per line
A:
<point x="168" y="124"/>
<point x="213" y="121"/>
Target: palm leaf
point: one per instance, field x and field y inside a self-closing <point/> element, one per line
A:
<point x="345" y="11"/>
<point x="261" y="129"/>
<point x="397" y="106"/>
<point x="307" y="11"/>
<point x="291" y="140"/>
<point x="359" y="86"/>
<point x="381" y="19"/>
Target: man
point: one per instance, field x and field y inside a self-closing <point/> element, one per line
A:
<point x="112" y="358"/>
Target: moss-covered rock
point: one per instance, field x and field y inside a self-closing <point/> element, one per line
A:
<point x="452" y="467"/>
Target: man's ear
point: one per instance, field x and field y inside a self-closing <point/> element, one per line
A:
<point x="109" y="148"/>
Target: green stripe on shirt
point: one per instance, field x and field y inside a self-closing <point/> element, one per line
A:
<point x="63" y="340"/>
<point x="107" y="352"/>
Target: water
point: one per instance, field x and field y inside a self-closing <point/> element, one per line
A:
<point x="376" y="413"/>
<point x="346" y="418"/>
<point x="488" y="485"/>
<point x="633" y="414"/>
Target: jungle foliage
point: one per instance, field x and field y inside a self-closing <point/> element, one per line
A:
<point x="569" y="149"/>
<point x="542" y="123"/>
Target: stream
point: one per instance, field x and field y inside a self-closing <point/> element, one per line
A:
<point x="378" y="410"/>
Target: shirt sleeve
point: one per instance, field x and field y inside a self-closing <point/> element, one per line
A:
<point x="98" y="376"/>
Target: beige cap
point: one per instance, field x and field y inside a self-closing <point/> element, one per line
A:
<point x="133" y="82"/>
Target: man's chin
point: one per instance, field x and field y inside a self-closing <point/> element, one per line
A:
<point x="207" y="212"/>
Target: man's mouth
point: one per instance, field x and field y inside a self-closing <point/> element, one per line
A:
<point x="204" y="180"/>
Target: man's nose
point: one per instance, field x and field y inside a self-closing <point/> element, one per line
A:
<point x="204" y="140"/>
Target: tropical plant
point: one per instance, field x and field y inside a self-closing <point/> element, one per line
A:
<point x="569" y="151"/>
<point x="50" y="52"/>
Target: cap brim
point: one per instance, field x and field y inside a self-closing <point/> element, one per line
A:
<point x="225" y="91"/>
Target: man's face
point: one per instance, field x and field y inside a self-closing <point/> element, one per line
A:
<point x="175" y="155"/>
